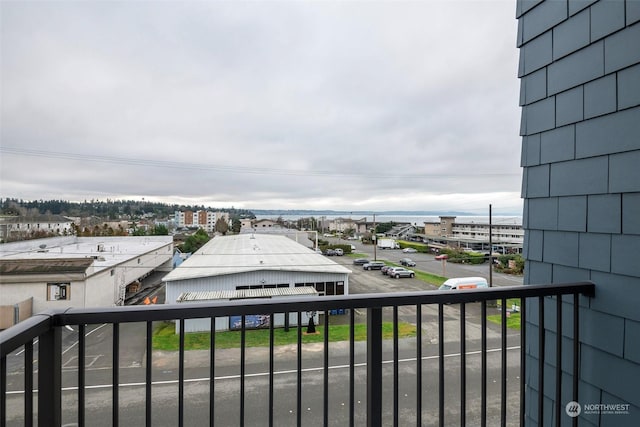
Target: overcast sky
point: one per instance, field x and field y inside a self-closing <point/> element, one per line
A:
<point x="355" y="105"/>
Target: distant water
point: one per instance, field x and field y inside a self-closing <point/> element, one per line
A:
<point x="416" y="220"/>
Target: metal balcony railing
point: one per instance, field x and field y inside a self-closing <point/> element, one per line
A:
<point x="367" y="374"/>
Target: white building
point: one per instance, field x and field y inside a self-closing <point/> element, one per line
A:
<point x="24" y="227"/>
<point x="63" y="272"/>
<point x="262" y="262"/>
<point x="201" y="219"/>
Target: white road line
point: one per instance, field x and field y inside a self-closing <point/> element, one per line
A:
<point x="264" y="374"/>
<point x="86" y="335"/>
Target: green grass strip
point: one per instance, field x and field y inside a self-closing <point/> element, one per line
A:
<point x="513" y="321"/>
<point x="165" y="338"/>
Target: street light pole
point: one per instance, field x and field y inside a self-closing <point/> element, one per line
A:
<point x="490" y="249"/>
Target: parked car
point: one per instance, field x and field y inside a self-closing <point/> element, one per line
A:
<point x="385" y="269"/>
<point x="409" y="250"/>
<point x="330" y="252"/>
<point x="374" y="265"/>
<point x="339" y="251"/>
<point x="360" y="261"/>
<point x="408" y="262"/>
<point x="399" y="272"/>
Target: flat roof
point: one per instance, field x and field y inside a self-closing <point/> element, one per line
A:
<point x="104" y="252"/>
<point x="243" y="253"/>
<point x="246" y="294"/>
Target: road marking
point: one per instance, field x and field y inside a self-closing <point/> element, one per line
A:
<point x="264" y="374"/>
<point x="71" y="346"/>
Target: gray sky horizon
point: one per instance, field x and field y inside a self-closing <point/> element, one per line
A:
<point x="354" y="105"/>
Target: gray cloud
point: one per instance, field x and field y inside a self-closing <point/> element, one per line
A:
<point x="336" y="105"/>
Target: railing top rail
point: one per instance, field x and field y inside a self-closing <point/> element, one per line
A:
<point x="21" y="333"/>
<point x="25" y="331"/>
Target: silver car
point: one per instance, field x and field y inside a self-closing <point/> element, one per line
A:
<point x="399" y="272"/>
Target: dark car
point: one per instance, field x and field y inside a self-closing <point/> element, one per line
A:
<point x="360" y="261"/>
<point x="384" y="269"/>
<point x="407" y="262"/>
<point x="374" y="265"/>
<point x="329" y="252"/>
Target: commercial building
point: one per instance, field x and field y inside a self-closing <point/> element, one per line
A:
<point x="263" y="262"/>
<point x="62" y="272"/>
<point x="506" y="237"/>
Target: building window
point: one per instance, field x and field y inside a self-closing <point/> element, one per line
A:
<point x="58" y="291"/>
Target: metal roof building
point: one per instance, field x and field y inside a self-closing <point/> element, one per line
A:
<point x="250" y="262"/>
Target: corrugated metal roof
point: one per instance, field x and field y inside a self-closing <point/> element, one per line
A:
<point x="252" y="252"/>
<point x="246" y="293"/>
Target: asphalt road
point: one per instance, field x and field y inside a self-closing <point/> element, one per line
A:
<point x="227" y="373"/>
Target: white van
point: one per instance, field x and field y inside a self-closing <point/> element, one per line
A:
<point x="464" y="283"/>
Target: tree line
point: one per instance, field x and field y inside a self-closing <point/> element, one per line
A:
<point x="109" y="209"/>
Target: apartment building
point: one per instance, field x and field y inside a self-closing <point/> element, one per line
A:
<point x="201" y="219"/>
<point x="21" y="227"/>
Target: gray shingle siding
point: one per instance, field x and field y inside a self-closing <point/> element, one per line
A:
<point x="581" y="183"/>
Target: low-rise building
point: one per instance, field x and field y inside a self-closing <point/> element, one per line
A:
<point x="265" y="262"/>
<point x="506" y="237"/>
<point x="14" y="228"/>
<point x="82" y="272"/>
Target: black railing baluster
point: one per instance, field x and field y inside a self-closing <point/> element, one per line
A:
<point x="352" y="358"/>
<point x="299" y="377"/>
<point x="463" y="366"/>
<point x="50" y="378"/>
<point x="81" y="374"/>
<point x="148" y="375"/>
<point x="483" y="364"/>
<point x="115" y="375"/>
<point x="374" y="367"/>
<point x="523" y="356"/>
<point x="541" y="346"/>
<point x="325" y="397"/>
<point x="441" y="364"/>
<point x="181" y="374"/>
<point x="396" y="374"/>
<point x="271" y="366"/>
<point x="503" y="364"/>
<point x="28" y="384"/>
<point x="243" y="353"/>
<point x="212" y="371"/>
<point x="3" y="392"/>
<point x="576" y="350"/>
<point x="419" y="365"/>
<point x="558" y="403"/>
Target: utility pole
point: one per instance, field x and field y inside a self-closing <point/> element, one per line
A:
<point x="374" y="238"/>
<point x="490" y="249"/>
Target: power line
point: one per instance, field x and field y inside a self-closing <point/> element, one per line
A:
<point x="235" y="169"/>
